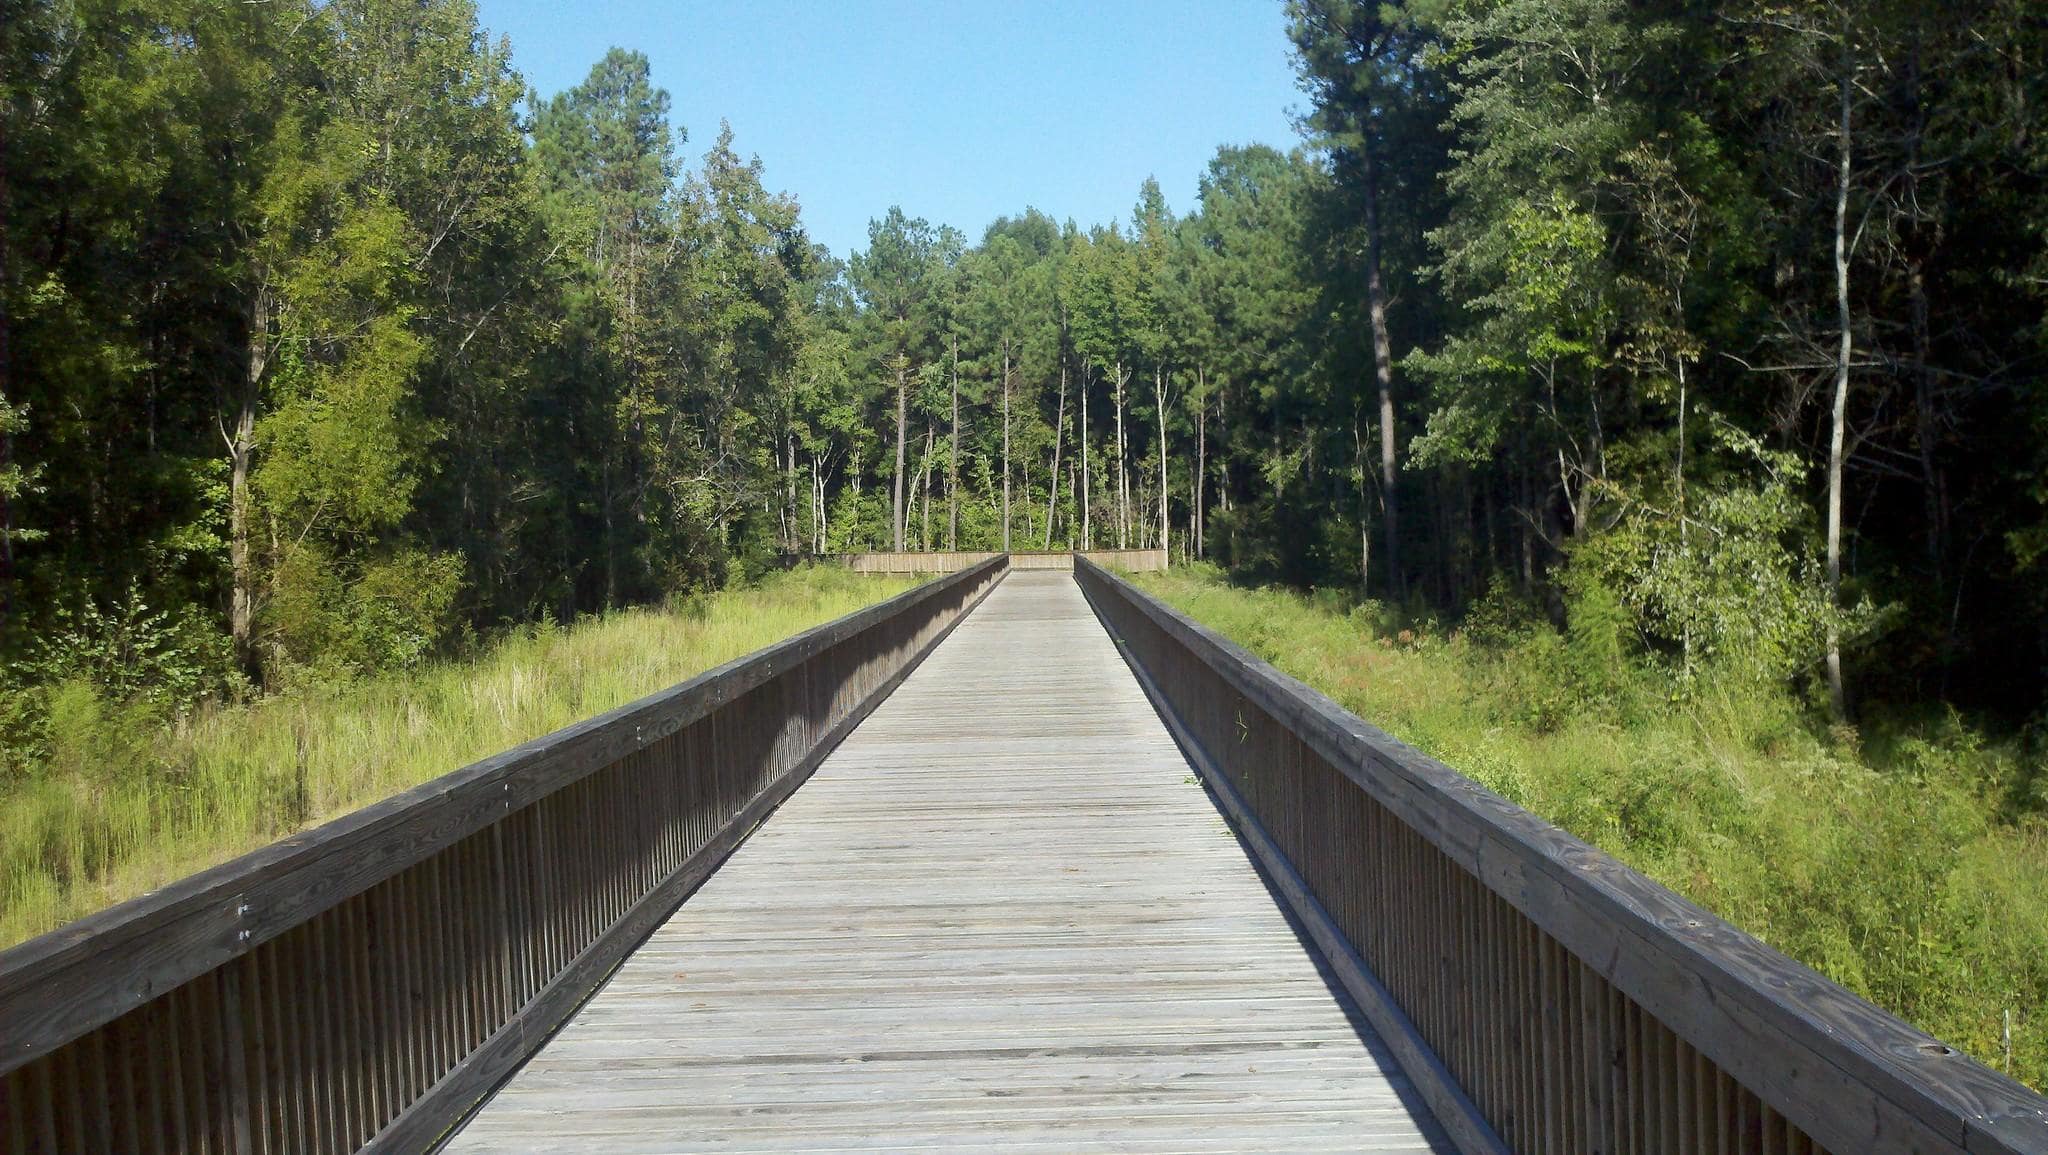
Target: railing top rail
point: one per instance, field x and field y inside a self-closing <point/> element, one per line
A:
<point x="1725" y="991"/>
<point x="80" y="976"/>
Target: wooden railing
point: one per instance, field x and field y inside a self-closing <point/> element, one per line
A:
<point x="942" y="561"/>
<point x="366" y="982"/>
<point x="1544" y="997"/>
<point x="914" y="561"/>
<point x="1128" y="560"/>
<point x="1042" y="559"/>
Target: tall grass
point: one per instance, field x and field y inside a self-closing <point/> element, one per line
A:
<point x="125" y="804"/>
<point x="1897" y="864"/>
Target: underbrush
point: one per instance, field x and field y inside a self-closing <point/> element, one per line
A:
<point x="1908" y="862"/>
<point x="124" y="797"/>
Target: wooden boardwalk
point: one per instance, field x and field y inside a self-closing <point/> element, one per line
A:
<point x="1002" y="914"/>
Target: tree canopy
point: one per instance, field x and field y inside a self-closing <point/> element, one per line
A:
<point x="326" y="345"/>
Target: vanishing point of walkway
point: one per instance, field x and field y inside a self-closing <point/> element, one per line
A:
<point x="1002" y="914"/>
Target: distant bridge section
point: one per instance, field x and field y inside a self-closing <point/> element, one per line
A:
<point x="948" y="561"/>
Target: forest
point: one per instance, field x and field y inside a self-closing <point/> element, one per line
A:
<point x="328" y="348"/>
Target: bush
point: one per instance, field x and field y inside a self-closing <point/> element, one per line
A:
<point x="120" y="794"/>
<point x="173" y="661"/>
<point x="1733" y="590"/>
<point x="99" y="679"/>
<point x="390" y="614"/>
<point x="1903" y="870"/>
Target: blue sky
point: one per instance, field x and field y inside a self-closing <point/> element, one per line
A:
<point x="959" y="112"/>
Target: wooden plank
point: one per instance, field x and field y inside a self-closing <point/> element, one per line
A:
<point x="459" y="1091"/>
<point x="1462" y="1122"/>
<point x="1003" y="911"/>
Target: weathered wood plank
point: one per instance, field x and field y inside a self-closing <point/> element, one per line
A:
<point x="1002" y="911"/>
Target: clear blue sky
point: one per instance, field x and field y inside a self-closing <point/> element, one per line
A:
<point x="960" y="112"/>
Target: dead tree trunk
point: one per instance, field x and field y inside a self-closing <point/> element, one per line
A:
<point x="1006" y="445"/>
<point x="1123" y="479"/>
<point x="241" y="458"/>
<point x="953" y="461"/>
<point x="902" y="433"/>
<point x="1081" y="447"/>
<point x="7" y="418"/>
<point x="1059" y="427"/>
<point x="924" y="533"/>
<point x="1201" y="502"/>
<point x="1837" y="700"/>
<point x="1159" y="395"/>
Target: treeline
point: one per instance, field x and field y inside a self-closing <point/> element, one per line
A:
<point x="325" y="345"/>
<point x="1719" y="323"/>
<point x="1728" y="315"/>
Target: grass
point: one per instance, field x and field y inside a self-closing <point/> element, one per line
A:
<point x="124" y="805"/>
<point x="1897" y="862"/>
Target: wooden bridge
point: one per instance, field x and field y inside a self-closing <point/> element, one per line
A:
<point x="1065" y="872"/>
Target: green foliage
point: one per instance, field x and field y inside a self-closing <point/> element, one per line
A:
<point x="170" y="661"/>
<point x="1729" y="583"/>
<point x="126" y="797"/>
<point x="15" y="481"/>
<point x="108" y="677"/>
<point x="330" y="620"/>
<point x="1900" y="872"/>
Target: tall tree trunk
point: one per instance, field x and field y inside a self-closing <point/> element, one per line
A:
<point x="1684" y="525"/>
<point x="1006" y="445"/>
<point x="1123" y="478"/>
<point x="1071" y="489"/>
<point x="1159" y="393"/>
<point x="1200" y="546"/>
<point x="924" y="533"/>
<point x="902" y="432"/>
<point x="1383" y="370"/>
<point x="1081" y="448"/>
<point x="241" y="456"/>
<point x="953" y="461"/>
<point x="789" y="489"/>
<point x="853" y="476"/>
<point x="817" y="505"/>
<point x="1024" y="488"/>
<point x="6" y="415"/>
<point x="1059" y="429"/>
<point x="1223" y="463"/>
<point x="1837" y="428"/>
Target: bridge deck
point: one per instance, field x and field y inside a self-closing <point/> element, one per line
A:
<point x="1001" y="913"/>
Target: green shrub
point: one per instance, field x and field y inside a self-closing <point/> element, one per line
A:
<point x="1902" y="869"/>
<point x="121" y="793"/>
<point x="325" y="621"/>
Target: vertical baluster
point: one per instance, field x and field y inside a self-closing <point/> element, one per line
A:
<point x="1686" y="1133"/>
<point x="350" y="1009"/>
<point x="387" y="991"/>
<point x="41" y="1094"/>
<point x="239" y="1090"/>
